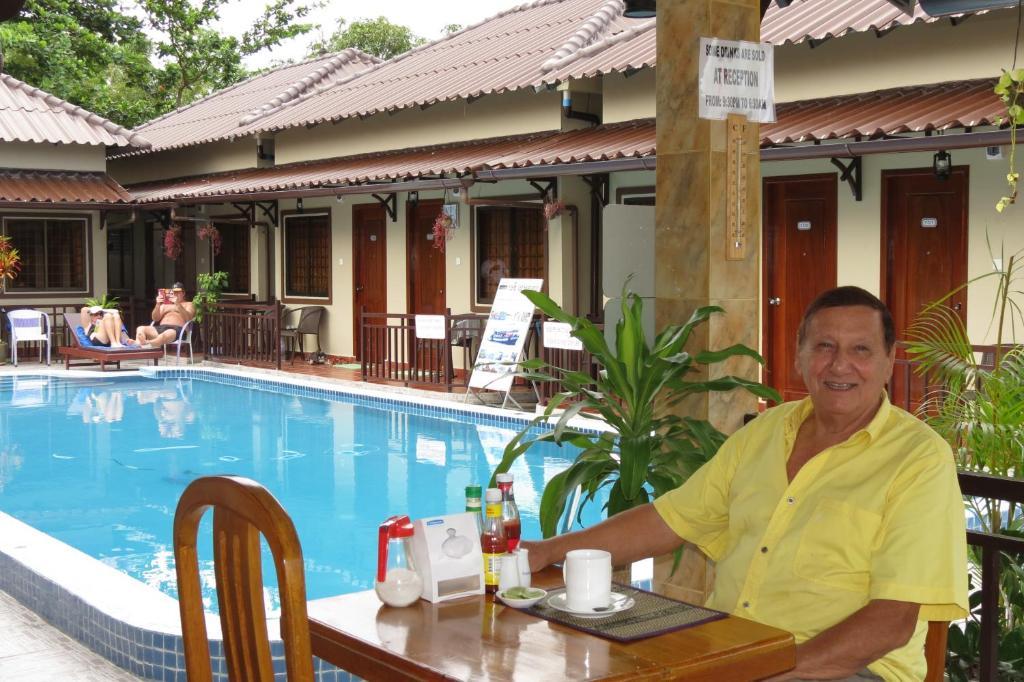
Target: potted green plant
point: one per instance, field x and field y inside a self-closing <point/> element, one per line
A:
<point x="209" y="287"/>
<point x="649" y="449"/>
<point x="105" y="301"/>
<point x="10" y="265"/>
<point x="978" y="407"/>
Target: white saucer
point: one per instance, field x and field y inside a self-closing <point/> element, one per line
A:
<point x="619" y="602"/>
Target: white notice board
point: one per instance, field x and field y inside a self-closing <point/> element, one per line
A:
<point x="505" y="335"/>
<point x="737" y="77"/>
<point x="430" y="326"/>
<point x="559" y="335"/>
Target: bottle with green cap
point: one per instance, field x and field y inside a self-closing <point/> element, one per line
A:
<point x="473" y="493"/>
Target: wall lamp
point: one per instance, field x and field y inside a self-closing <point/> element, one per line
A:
<point x="414" y="197"/>
<point x="298" y="204"/>
<point x="942" y="164"/>
<point x="640" y="9"/>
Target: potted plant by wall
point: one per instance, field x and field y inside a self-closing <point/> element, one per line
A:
<point x="209" y="287"/>
<point x="650" y="450"/>
<point x="10" y="265"/>
<point x="978" y="407"/>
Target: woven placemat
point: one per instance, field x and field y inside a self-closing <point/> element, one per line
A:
<point x="652" y="615"/>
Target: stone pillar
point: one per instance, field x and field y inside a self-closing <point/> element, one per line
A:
<point x="691" y="269"/>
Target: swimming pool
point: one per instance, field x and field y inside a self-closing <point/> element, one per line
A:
<point x="100" y="463"/>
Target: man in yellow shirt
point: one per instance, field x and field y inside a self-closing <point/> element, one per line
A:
<point x="837" y="518"/>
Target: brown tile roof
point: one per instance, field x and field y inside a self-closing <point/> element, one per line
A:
<point x="886" y="112"/>
<point x="216" y="116"/>
<point x="28" y="114"/>
<point x="60" y="187"/>
<point x="817" y="20"/>
<point x="621" y="140"/>
<point x="942" y="106"/>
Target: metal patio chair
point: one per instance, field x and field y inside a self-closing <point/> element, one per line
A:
<point x="29" y="325"/>
<point x="184" y="339"/>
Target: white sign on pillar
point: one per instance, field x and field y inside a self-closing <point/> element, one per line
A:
<point x="737" y="77"/>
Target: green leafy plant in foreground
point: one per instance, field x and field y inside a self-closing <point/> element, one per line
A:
<point x="649" y="450"/>
<point x="978" y="408"/>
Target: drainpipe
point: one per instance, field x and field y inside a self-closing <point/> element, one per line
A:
<point x="593" y="119"/>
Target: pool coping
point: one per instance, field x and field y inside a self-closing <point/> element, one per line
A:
<point x="135" y="625"/>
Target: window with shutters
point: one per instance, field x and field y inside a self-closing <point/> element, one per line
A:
<point x="509" y="242"/>
<point x="307" y="256"/>
<point x="54" y="253"/>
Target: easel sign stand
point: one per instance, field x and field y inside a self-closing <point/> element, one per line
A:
<point x="504" y="341"/>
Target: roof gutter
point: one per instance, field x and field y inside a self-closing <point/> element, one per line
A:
<point x="380" y="188"/>
<point x="68" y="205"/>
<point x="582" y="168"/>
<point x="896" y="145"/>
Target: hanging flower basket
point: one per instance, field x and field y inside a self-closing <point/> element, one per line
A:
<point x="173" y="245"/>
<point x="10" y="260"/>
<point x="553" y="209"/>
<point x="208" y="231"/>
<point x="443" y="230"/>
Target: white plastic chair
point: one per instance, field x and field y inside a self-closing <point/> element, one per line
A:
<point x="184" y="339"/>
<point x="29" y="325"/>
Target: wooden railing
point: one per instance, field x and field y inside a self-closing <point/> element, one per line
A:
<point x="992" y="545"/>
<point x="243" y="332"/>
<point x="391" y="352"/>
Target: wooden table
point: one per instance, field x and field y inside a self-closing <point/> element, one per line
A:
<point x="478" y="638"/>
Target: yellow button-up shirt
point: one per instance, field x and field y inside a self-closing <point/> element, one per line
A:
<point x="879" y="516"/>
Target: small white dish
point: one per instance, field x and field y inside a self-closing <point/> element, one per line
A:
<point x="619" y="602"/>
<point x="522" y="603"/>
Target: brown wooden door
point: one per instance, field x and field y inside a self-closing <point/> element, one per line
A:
<point x="426" y="265"/>
<point x="924" y="234"/>
<point x="426" y="278"/>
<point x="799" y="231"/>
<point x="369" y="265"/>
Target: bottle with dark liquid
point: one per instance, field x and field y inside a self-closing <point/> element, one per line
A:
<point x="493" y="541"/>
<point x="509" y="511"/>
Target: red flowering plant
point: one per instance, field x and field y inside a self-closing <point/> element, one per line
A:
<point x="553" y="209"/>
<point x="173" y="245"/>
<point x="10" y="260"/>
<point x="209" y="231"/>
<point x="443" y="228"/>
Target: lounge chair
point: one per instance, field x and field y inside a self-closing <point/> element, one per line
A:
<point x="82" y="348"/>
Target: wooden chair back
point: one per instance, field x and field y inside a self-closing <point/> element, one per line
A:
<point x="935" y="650"/>
<point x="242" y="510"/>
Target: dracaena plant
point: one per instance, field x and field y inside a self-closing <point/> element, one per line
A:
<point x="644" y="449"/>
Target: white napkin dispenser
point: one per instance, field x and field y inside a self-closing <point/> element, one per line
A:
<point x="446" y="551"/>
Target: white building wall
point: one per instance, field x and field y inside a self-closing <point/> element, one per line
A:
<point x="45" y="156"/>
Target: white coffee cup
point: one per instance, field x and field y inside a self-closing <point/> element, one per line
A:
<point x="588" y="579"/>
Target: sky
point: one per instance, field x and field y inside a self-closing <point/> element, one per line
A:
<point x="426" y="19"/>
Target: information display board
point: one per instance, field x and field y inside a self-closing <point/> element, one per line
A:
<point x="505" y="335"/>
<point x="737" y="77"/>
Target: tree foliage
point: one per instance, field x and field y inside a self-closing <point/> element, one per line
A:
<point x="98" y="54"/>
<point x="378" y="37"/>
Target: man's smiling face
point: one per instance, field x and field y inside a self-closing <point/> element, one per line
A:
<point x="844" y="362"/>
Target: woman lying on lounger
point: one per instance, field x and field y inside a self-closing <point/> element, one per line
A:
<point x="103" y="327"/>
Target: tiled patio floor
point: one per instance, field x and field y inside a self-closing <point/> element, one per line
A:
<point x="33" y="651"/>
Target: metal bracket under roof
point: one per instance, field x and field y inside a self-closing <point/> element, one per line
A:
<point x="390" y="203"/>
<point x="162" y="217"/>
<point x="599" y="187"/>
<point x="851" y="174"/>
<point x="269" y="209"/>
<point x="248" y="211"/>
<point x="546" y="187"/>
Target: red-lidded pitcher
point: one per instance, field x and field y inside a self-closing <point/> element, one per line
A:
<point x="398" y="583"/>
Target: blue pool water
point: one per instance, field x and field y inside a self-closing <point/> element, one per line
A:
<point x="100" y="464"/>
